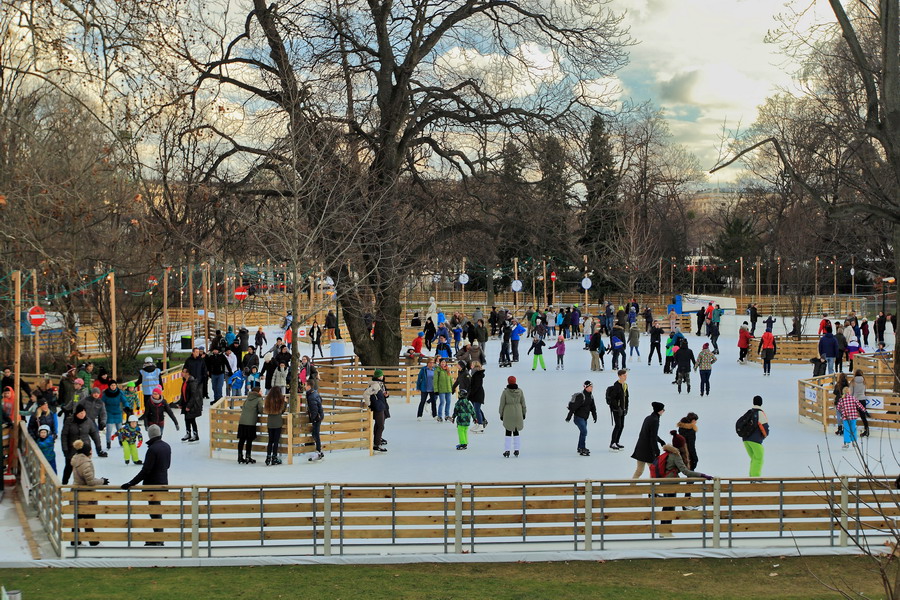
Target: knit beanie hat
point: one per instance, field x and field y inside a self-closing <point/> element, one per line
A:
<point x="154" y="431"/>
<point x="511" y="380"/>
<point x="677" y="439"/>
<point x="378" y="374"/>
<point x="706" y="345"/>
<point x="657" y="406"/>
<point x="158" y="390"/>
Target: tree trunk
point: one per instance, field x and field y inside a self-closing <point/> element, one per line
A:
<point x="894" y="318"/>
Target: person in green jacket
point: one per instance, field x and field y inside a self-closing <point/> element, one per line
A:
<point x="462" y="416"/>
<point x="250" y="412"/>
<point x="669" y="353"/>
<point x="443" y="387"/>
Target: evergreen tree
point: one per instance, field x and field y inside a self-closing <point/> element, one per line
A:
<point x="599" y="218"/>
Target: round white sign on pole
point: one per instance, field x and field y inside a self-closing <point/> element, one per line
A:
<point x="516" y="285"/>
<point x="436" y="278"/>
<point x="329" y="281"/>
<point x="852" y="271"/>
<point x="586" y="283"/>
<point x="463" y="278"/>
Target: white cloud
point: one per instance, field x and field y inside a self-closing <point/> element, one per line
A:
<point x="515" y="76"/>
<point x="705" y="62"/>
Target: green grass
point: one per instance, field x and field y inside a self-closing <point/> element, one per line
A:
<point x="757" y="578"/>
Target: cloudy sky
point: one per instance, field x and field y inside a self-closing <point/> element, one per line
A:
<point x="705" y="63"/>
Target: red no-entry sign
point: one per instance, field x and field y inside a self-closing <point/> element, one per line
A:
<point x="36" y="316"/>
<point x="553" y="276"/>
<point x="240" y="293"/>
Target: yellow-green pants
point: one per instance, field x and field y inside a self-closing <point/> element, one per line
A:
<point x="538" y="358"/>
<point x="129" y="449"/>
<point x="463" y="431"/>
<point x="755" y="452"/>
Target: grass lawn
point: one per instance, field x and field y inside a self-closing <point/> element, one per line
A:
<point x="757" y="578"/>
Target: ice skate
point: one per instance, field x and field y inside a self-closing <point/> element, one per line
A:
<point x="316" y="457"/>
<point x="187" y="437"/>
<point x="516" y="453"/>
<point x="506" y="454"/>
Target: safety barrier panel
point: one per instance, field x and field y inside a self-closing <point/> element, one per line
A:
<point x="41" y="488"/>
<point x="816" y="400"/>
<point x="385" y="518"/>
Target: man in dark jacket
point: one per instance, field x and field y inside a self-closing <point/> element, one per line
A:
<point x="754" y="317"/>
<point x="647" y="448"/>
<point x="618" y="407"/>
<point x="216" y="366"/>
<point x="78" y="427"/>
<point x="155" y="470"/>
<point x="316" y="415"/>
<point x="196" y="365"/>
<point x="655" y="342"/>
<point x="191" y="405"/>
<point x="684" y="361"/>
<point x="583" y="406"/>
<point x="828" y="347"/>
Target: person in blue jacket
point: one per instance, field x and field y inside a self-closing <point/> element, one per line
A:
<point x="517" y="332"/>
<point x="425" y="386"/>
<point x="115" y="403"/>
<point x="828" y="347"/>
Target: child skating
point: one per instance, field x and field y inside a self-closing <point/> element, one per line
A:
<point x="130" y="438"/>
<point x="560" y="347"/>
<point x="463" y="412"/>
<point x="537" y="346"/>
<point x="47" y="444"/>
<point x="634" y="340"/>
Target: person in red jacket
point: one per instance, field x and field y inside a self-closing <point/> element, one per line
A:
<point x="744" y="338"/>
<point x="766" y="350"/>
<point x="417" y="342"/>
<point x="824" y="324"/>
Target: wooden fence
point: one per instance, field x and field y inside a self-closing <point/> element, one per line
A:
<point x="789" y="350"/>
<point x="875" y="363"/>
<point x="347" y="425"/>
<point x="384" y="518"/>
<point x="344" y="376"/>
<point x="816" y="401"/>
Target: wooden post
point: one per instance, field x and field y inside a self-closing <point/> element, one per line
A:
<point x="693" y="277"/>
<point x="672" y="276"/>
<point x="816" y="287"/>
<point x="165" y="319"/>
<point x="742" y="284"/>
<point x="515" y="294"/>
<point x="114" y="328"/>
<point x="191" y="302"/>
<point x="181" y="287"/>
<point x="852" y="276"/>
<point x="290" y="438"/>
<point x="37" y="332"/>
<point x="205" y="276"/>
<point x="214" y="304"/>
<point x="544" y="300"/>
<point x="17" y="373"/>
<point x="463" y="309"/>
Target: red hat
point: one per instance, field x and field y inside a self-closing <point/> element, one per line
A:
<point x="677" y="439"/>
<point x="706" y="345"/>
<point x="511" y="380"/>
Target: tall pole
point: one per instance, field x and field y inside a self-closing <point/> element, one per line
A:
<point x="463" y="287"/>
<point x="544" y="263"/>
<point x="693" y="277"/>
<point x="834" y="264"/>
<point x="659" y="279"/>
<point x="17" y="372"/>
<point x="191" y="302"/>
<point x="585" y="289"/>
<point x="742" y="283"/>
<point x="181" y="287"/>
<point x="758" y="280"/>
<point x="852" y="275"/>
<point x="114" y="345"/>
<point x="672" y="275"/>
<point x="817" y="277"/>
<point x="37" y="333"/>
<point x="206" y="305"/>
<point x="165" y="316"/>
<point x="515" y="278"/>
<point x="778" y="291"/>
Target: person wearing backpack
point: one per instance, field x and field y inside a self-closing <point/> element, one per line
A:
<point x="647" y="448"/>
<point x="581" y="406"/>
<point x="617" y="400"/>
<point x="684" y="360"/>
<point x="753" y="427"/>
<point x="674" y="460"/>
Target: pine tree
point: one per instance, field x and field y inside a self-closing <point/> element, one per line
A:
<point x="599" y="218"/>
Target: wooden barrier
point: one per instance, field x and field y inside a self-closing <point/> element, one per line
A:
<point x="344" y="377"/>
<point x="788" y="350"/>
<point x="326" y="519"/>
<point x="881" y="363"/>
<point x="816" y="401"/>
<point x="347" y="426"/>
<point x="41" y="488"/>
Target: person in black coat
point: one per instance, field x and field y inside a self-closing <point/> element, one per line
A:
<point x="191" y="405"/>
<point x="78" y="427"/>
<point x="476" y="396"/>
<point x="655" y="342"/>
<point x="155" y="470"/>
<point x="647" y="448"/>
<point x="684" y="360"/>
<point x="618" y="407"/>
<point x="581" y="409"/>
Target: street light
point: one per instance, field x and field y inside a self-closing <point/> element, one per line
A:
<point x="885" y="281"/>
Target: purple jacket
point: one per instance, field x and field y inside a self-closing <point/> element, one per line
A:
<point x="560" y="347"/>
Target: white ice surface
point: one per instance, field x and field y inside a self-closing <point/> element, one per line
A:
<point x="425" y="451"/>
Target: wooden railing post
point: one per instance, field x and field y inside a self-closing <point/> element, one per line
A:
<point x="195" y="522"/>
<point x="717" y="512"/>
<point x="371" y="436"/>
<point x="290" y="438"/>
<point x="588" y="516"/>
<point x="845" y="506"/>
<point x="326" y="520"/>
<point x="457" y="519"/>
